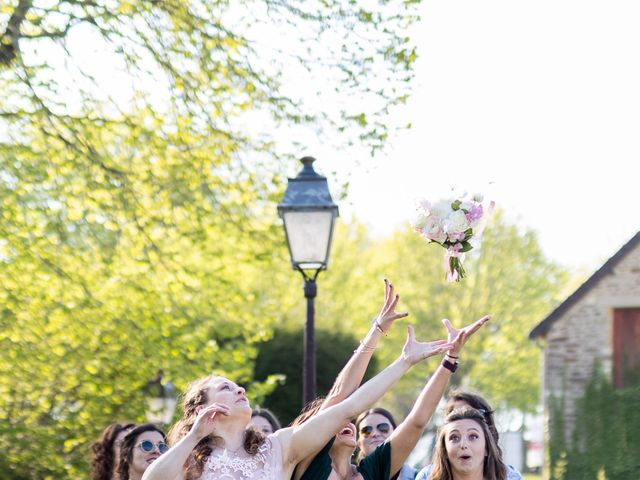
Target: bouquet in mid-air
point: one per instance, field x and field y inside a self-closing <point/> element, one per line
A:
<point x="453" y="223"/>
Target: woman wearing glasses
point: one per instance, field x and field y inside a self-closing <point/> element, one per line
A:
<point x="213" y="440"/>
<point x="373" y="427"/>
<point x="140" y="448"/>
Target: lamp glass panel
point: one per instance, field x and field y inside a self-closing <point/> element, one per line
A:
<point x="309" y="234"/>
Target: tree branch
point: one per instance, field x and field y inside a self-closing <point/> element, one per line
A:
<point x="9" y="42"/>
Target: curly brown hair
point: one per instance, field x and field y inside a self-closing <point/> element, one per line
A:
<point x="103" y="458"/>
<point x="195" y="396"/>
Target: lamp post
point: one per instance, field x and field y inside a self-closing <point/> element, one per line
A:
<point x="162" y="403"/>
<point x="309" y="214"/>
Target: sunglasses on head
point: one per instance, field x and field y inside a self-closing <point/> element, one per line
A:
<point x="368" y="430"/>
<point x="147" y="446"/>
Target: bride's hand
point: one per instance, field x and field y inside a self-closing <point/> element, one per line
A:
<point x="205" y="421"/>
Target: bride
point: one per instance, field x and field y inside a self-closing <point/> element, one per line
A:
<point x="213" y="442"/>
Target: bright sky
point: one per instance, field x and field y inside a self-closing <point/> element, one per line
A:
<point x="534" y="104"/>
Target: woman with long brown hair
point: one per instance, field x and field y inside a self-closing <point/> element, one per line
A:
<point x="466" y="449"/>
<point x="464" y="398"/>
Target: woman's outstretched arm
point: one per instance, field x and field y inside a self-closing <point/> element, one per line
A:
<point x="404" y="438"/>
<point x="311" y="436"/>
<point x="349" y="379"/>
<point x="353" y="372"/>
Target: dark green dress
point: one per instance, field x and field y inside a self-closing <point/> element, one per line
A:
<point x="374" y="466"/>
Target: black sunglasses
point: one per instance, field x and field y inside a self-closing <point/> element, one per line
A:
<point x="147" y="446"/>
<point x="368" y="430"/>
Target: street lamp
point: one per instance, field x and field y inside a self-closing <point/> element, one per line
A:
<point x="309" y="214"/>
<point x="162" y="403"/>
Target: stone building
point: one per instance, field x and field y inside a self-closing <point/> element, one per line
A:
<point x="598" y="324"/>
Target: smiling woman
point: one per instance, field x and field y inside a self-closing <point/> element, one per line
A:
<point x="140" y="448"/>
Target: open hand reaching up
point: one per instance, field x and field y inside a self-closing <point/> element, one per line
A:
<point x="414" y="351"/>
<point x="388" y="313"/>
<point x="458" y="338"/>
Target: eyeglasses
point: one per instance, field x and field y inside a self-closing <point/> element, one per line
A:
<point x="147" y="446"/>
<point x="368" y="430"/>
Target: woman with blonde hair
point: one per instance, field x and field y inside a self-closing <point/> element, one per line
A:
<point x="213" y="441"/>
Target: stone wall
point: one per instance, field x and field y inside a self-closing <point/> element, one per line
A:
<point x="582" y="336"/>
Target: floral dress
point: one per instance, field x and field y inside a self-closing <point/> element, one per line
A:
<point x="266" y="464"/>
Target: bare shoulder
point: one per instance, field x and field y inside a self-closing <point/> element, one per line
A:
<point x="284" y="436"/>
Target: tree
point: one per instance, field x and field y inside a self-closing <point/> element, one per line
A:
<point x="138" y="227"/>
<point x="284" y="354"/>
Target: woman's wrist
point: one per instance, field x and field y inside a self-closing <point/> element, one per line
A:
<point x="405" y="362"/>
<point x="451" y="365"/>
<point x="377" y="326"/>
<point x="193" y="437"/>
<point x="365" y="347"/>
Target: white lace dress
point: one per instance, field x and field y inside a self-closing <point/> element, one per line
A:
<point x="266" y="464"/>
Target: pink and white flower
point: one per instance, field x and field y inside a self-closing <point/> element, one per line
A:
<point x="452" y="223"/>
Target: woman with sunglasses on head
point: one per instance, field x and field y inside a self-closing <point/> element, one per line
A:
<point x="460" y="399"/>
<point x="106" y="451"/>
<point x="140" y="448"/>
<point x="466" y="449"/>
<point x="386" y="460"/>
<point x="213" y="440"/>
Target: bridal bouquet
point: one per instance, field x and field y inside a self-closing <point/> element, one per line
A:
<point x="453" y="223"/>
